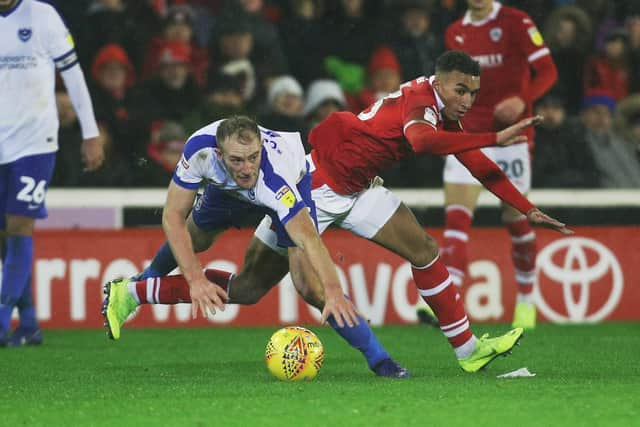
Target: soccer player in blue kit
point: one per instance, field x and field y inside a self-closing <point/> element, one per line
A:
<point x="35" y="43"/>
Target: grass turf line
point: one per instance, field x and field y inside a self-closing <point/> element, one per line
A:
<point x="586" y="375"/>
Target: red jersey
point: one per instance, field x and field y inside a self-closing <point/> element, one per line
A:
<point x="349" y="151"/>
<point x="507" y="45"/>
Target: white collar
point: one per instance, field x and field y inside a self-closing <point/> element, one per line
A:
<point x="439" y="102"/>
<point x="494" y="12"/>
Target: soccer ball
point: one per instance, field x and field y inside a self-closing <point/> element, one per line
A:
<point x="294" y="354"/>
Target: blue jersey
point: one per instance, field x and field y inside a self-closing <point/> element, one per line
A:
<point x="282" y="168"/>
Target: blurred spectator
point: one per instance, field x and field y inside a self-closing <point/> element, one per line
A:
<point x="163" y="152"/>
<point x="232" y="49"/>
<point x="117" y="21"/>
<point x="627" y="122"/>
<point x="170" y="95"/>
<point x="222" y="98"/>
<point x="324" y="97"/>
<point x="568" y="36"/>
<point x="415" y="45"/>
<point x="303" y="39"/>
<point x="384" y="77"/>
<point x="177" y="27"/>
<point x="284" y="105"/>
<point x="113" y="77"/>
<point x="561" y="158"/>
<point x="70" y="171"/>
<point x="614" y="158"/>
<point x="610" y="70"/>
<point x="268" y="47"/>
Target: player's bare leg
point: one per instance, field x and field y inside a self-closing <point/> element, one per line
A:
<point x="523" y="254"/>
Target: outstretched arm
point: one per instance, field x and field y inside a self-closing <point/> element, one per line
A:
<point x="205" y="295"/>
<point x="304" y="234"/>
<point x="427" y="139"/>
<point x="494" y="180"/>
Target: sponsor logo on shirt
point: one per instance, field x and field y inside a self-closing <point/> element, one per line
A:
<point x="24" y="34"/>
<point x="535" y="36"/>
<point x="495" y="34"/>
<point x="489" y="61"/>
<point x="286" y="196"/>
<point x="184" y="163"/>
<point x="430" y="116"/>
<point x="459" y="39"/>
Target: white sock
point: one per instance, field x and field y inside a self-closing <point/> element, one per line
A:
<point x="466" y="349"/>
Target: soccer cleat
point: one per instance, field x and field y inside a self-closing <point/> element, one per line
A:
<point x="390" y="368"/>
<point x="117" y="306"/>
<point x="22" y="337"/>
<point x="427" y="316"/>
<point x="524" y="316"/>
<point x="488" y="349"/>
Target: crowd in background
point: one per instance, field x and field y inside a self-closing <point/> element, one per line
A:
<point x="159" y="70"/>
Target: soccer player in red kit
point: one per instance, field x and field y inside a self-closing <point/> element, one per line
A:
<point x="348" y="153"/>
<point x="517" y="69"/>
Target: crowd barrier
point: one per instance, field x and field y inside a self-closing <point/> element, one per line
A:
<point x="591" y="276"/>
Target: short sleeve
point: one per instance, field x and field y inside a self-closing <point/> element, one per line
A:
<point x="190" y="169"/>
<point x="420" y="107"/>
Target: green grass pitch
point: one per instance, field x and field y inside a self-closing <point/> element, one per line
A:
<point x="586" y="376"/>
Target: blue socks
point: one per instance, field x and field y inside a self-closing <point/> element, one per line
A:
<point x="161" y="265"/>
<point x="362" y="338"/>
<point x="26" y="310"/>
<point x="16" y="272"/>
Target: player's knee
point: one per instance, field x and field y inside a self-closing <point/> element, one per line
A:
<point x="427" y="251"/>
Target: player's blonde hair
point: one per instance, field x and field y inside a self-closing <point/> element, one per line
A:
<point x="245" y="128"/>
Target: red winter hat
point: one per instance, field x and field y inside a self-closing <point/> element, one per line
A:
<point x="113" y="53"/>
<point x="175" y="51"/>
<point x="384" y="58"/>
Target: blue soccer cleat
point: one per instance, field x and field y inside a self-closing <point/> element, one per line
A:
<point x="22" y="337"/>
<point x="389" y="368"/>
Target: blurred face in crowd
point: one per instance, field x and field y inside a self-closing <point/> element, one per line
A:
<point x="385" y="81"/>
<point x="597" y="118"/>
<point x="416" y="21"/>
<point x="66" y="113"/>
<point x="181" y="32"/>
<point x="112" y="76"/>
<point x="241" y="155"/>
<point x="566" y="33"/>
<point x="458" y="92"/>
<point x="174" y="74"/>
<point x="325" y="109"/>
<point x="288" y="104"/>
<point x="7" y="4"/>
<point x="112" y="4"/>
<point x="554" y="115"/>
<point x="633" y="28"/>
<point x="251" y="6"/>
<point x="615" y="49"/>
<point x="352" y="7"/>
<point x="236" y="45"/>
<point x="304" y="8"/>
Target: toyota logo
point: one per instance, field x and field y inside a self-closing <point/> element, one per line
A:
<point x="589" y="268"/>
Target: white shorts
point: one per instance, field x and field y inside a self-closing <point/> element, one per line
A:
<point x="513" y="160"/>
<point x="363" y="213"/>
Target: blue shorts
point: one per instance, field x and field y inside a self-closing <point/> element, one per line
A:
<point x="24" y="184"/>
<point x="216" y="209"/>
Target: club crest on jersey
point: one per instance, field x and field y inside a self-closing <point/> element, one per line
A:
<point x="431" y="116"/>
<point x="286" y="196"/>
<point x="495" y="34"/>
<point x="24" y="34"/>
<point x="252" y="194"/>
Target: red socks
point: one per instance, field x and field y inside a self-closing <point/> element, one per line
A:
<point x="456" y="235"/>
<point x="523" y="253"/>
<point x="436" y="288"/>
<point x="173" y="289"/>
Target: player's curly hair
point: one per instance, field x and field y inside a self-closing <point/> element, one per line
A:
<point x="243" y="126"/>
<point x="456" y="60"/>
